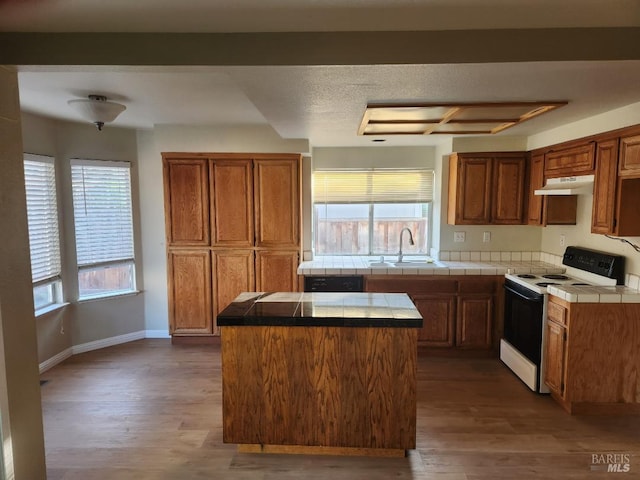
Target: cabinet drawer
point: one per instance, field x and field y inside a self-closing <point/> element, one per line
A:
<point x="570" y="161"/>
<point x="557" y="313"/>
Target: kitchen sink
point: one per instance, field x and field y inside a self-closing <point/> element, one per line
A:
<point x="418" y="263"/>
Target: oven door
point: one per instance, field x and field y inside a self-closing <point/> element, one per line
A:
<point x="521" y="347"/>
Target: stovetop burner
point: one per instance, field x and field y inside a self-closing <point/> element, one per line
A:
<point x="526" y="275"/>
<point x="555" y="276"/>
<point x="546" y="284"/>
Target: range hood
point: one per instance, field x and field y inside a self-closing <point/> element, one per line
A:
<point x="567" y="186"/>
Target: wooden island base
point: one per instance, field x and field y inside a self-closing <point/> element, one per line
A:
<point x="345" y="387"/>
<point x="339" y="451"/>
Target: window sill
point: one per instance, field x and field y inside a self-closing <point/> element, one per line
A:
<point x="50" y="308"/>
<point x="107" y="296"/>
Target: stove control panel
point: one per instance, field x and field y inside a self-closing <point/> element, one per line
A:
<point x="593" y="261"/>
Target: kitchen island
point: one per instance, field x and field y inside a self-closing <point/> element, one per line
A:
<point x="320" y="373"/>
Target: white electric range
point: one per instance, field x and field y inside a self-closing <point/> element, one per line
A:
<point x="525" y="311"/>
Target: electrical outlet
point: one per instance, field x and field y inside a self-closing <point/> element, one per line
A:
<point x="486" y="237"/>
<point x="562" y="240"/>
<point x="459" y="237"/>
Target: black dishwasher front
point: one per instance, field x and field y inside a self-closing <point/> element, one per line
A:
<point x="351" y="283"/>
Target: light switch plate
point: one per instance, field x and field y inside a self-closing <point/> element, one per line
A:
<point x="459" y="237"/>
<point x="486" y="237"/>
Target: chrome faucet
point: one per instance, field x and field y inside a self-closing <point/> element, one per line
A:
<point x="411" y="242"/>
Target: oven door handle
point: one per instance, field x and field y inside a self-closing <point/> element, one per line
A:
<point x="524" y="297"/>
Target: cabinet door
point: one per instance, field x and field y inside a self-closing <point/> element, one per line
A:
<point x="474" y="321"/>
<point x="276" y="271"/>
<point x="277" y="202"/>
<point x="507" y="202"/>
<point x="630" y="156"/>
<point x="233" y="274"/>
<point x="536" y="181"/>
<point x="186" y="200"/>
<point x="189" y="277"/>
<point x="604" y="188"/>
<point x="579" y="160"/>
<point x="554" y="357"/>
<point x="438" y="313"/>
<point x="231" y="183"/>
<point x="470" y="191"/>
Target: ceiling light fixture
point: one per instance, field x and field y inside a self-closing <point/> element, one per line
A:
<point x="97" y="109"/>
<point x="449" y="118"/>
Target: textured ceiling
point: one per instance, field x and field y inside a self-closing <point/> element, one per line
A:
<point x="324" y="103"/>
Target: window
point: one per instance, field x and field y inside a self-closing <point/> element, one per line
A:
<point x="104" y="228"/>
<point x="361" y="212"/>
<point x="44" y="237"/>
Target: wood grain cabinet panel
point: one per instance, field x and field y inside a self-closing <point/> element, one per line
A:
<point x="277" y="271"/>
<point x="474" y="321"/>
<point x="243" y="209"/>
<point x="630" y="156"/>
<point x="439" y="318"/>
<point x="469" y="190"/>
<point x="231" y="185"/>
<point x="536" y="182"/>
<point x="575" y="160"/>
<point x="603" y="215"/>
<point x="186" y="197"/>
<point x="277" y="202"/>
<point x="233" y="274"/>
<point x="487" y="188"/>
<point x="189" y="279"/>
<point x="555" y="357"/>
<point x="508" y="192"/>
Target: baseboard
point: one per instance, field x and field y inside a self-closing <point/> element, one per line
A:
<point x="102" y="343"/>
<point x="56" y="359"/>
<point x="157" y="334"/>
<point x="108" y="342"/>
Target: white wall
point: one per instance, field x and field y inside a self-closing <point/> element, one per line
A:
<point x="93" y="320"/>
<point x="511" y="238"/>
<point x="177" y="138"/>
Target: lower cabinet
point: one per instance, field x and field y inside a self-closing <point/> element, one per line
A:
<point x="591" y="355"/>
<point x="277" y="271"/>
<point x="439" y="316"/>
<point x="554" y="357"/>
<point x="458" y="312"/>
<point x="190" y="292"/>
<point x="474" y="321"/>
<point x="233" y="274"/>
<point x="203" y="281"/>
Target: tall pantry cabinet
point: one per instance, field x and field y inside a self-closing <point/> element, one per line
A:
<point x="233" y="224"/>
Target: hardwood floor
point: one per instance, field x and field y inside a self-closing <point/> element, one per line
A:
<point x="149" y="410"/>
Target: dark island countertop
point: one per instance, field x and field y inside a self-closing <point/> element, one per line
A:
<point x="321" y="309"/>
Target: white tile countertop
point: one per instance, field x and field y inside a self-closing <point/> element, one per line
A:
<point x="594" y="294"/>
<point x="363" y="265"/>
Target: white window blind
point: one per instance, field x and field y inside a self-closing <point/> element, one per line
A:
<point x="373" y="186"/>
<point x="42" y="214"/>
<point x="102" y="212"/>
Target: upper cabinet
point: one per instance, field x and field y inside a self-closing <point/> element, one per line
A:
<point x="616" y="192"/>
<point x="277" y="202"/>
<point x="536" y="181"/>
<point x="629" y="156"/>
<point x="186" y="199"/>
<point x="487" y="188"/>
<point x="575" y="160"/>
<point x="231" y="185"/>
<point x="604" y="188"/>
